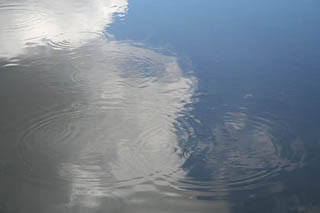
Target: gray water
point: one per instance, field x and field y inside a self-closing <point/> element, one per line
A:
<point x="159" y="106"/>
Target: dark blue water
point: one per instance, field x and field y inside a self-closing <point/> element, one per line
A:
<point x="159" y="106"/>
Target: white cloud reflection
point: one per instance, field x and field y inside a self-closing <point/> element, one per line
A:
<point x="123" y="131"/>
<point x="138" y="95"/>
<point x="62" y="23"/>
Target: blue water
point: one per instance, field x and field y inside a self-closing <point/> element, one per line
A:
<point x="159" y="106"/>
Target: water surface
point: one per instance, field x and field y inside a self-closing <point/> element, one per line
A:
<point x="159" y="106"/>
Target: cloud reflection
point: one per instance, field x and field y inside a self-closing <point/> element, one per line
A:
<point x="138" y="94"/>
<point x="111" y="129"/>
<point x="60" y="23"/>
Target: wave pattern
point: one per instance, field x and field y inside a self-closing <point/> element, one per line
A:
<point x="243" y="153"/>
<point x="118" y="130"/>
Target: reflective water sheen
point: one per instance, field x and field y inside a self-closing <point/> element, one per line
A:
<point x="159" y="106"/>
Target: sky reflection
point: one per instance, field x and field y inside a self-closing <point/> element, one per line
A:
<point x="91" y="123"/>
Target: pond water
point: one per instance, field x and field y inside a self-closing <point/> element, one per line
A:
<point x="159" y="106"/>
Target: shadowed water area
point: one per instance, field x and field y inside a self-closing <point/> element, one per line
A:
<point x="159" y="106"/>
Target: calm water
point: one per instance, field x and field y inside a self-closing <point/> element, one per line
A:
<point x="159" y="106"/>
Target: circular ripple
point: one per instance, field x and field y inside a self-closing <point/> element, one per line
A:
<point x="52" y="129"/>
<point x="20" y="18"/>
<point x="245" y="152"/>
<point x="120" y="133"/>
<point x="94" y="147"/>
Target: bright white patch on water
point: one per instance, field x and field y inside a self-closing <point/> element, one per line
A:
<point x="69" y="23"/>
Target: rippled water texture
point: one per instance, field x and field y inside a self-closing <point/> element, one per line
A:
<point x="60" y="24"/>
<point x="93" y="122"/>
